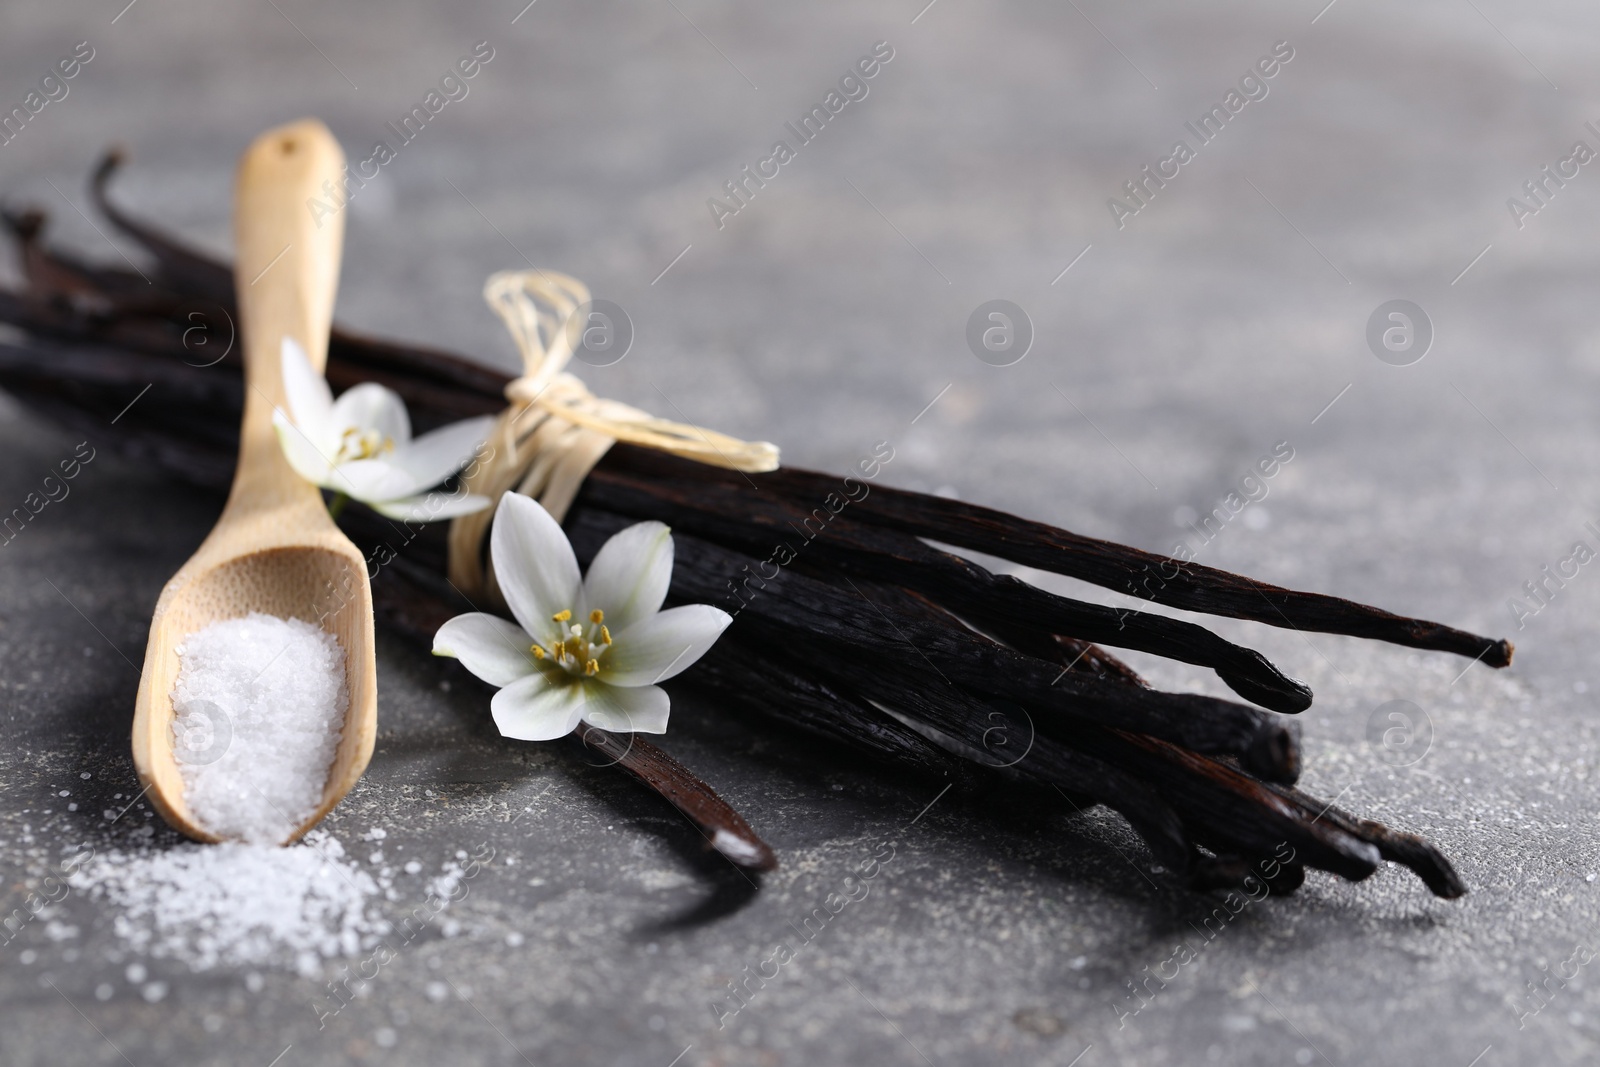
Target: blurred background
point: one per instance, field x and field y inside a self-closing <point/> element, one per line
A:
<point x="1238" y="308"/>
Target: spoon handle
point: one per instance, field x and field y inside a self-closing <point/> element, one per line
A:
<point x="287" y="273"/>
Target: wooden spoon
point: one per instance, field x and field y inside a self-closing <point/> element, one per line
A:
<point x="274" y="549"/>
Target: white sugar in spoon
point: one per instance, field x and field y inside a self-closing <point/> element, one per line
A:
<point x="274" y="550"/>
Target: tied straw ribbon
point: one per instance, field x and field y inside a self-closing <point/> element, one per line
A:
<point x="555" y="430"/>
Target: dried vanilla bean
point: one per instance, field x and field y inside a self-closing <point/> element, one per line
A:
<point x="1192" y="586"/>
<point x="725" y="829"/>
<point x="976" y="594"/>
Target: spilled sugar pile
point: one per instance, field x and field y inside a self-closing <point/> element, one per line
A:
<point x="259" y="709"/>
<point x="238" y="903"/>
<point x="259" y="705"/>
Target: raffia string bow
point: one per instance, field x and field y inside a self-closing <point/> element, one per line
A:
<point x="555" y="430"/>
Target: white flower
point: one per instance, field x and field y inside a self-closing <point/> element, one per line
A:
<point x="360" y="445"/>
<point x="590" y="649"/>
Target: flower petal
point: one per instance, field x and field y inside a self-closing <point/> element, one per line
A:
<point x="536" y="709"/>
<point x="663" y="645"/>
<point x="533" y="563"/>
<point x="629" y="576"/>
<point x="370" y="406"/>
<point x="437" y="455"/>
<point x="310" y="399"/>
<point x="494" y="649"/>
<point x="301" y="453"/>
<point x="640" y="710"/>
<point x="372" y="479"/>
<point x="430" y="507"/>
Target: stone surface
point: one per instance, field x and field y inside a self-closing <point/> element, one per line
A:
<point x="827" y="314"/>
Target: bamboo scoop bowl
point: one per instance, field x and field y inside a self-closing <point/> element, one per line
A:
<point x="274" y="549"/>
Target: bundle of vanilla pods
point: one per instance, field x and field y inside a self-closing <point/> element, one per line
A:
<point x="849" y="624"/>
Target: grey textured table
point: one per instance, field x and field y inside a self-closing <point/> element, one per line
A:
<point x="1223" y="317"/>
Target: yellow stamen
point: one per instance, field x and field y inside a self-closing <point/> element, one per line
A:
<point x="605" y="636"/>
<point x="591" y="668"/>
<point x="561" y="616"/>
<point x="597" y="615"/>
<point x="538" y="653"/>
<point x="356" y="443"/>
